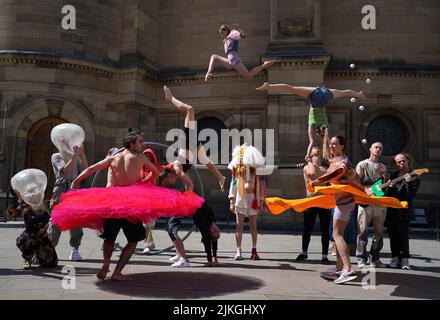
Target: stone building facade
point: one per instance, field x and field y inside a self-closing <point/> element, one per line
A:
<point x="107" y="75"/>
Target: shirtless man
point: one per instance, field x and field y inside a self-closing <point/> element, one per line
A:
<point x="312" y="171"/>
<point x="125" y="170"/>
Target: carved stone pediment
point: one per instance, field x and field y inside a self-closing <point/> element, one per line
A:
<point x="294" y="27"/>
<point x="295" y="20"/>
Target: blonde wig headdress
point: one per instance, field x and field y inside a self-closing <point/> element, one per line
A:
<point x="243" y="159"/>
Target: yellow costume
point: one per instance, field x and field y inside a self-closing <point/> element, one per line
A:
<point x="328" y="201"/>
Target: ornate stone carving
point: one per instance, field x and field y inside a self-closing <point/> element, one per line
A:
<point x="293" y="27"/>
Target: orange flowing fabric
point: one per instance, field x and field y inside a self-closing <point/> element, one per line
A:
<point x="328" y="201"/>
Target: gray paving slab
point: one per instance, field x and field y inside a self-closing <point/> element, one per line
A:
<point x="276" y="277"/>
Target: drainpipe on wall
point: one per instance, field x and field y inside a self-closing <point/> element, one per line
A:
<point x="3" y="127"/>
<point x="12" y="162"/>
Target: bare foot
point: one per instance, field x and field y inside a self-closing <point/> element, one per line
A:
<point x="221" y="182"/>
<point x="361" y="95"/>
<point x="120" y="277"/>
<point x="269" y="63"/>
<point x="168" y="94"/>
<point x="103" y="272"/>
<point x="264" y="87"/>
<point x="208" y="76"/>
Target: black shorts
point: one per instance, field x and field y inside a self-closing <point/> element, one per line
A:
<point x="173" y="227"/>
<point x="133" y="232"/>
<point x="186" y="165"/>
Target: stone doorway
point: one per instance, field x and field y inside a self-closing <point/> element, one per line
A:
<point x="40" y="148"/>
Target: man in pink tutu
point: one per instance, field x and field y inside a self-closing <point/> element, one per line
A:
<point x="125" y="167"/>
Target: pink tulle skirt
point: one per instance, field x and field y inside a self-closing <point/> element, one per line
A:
<point x="139" y="202"/>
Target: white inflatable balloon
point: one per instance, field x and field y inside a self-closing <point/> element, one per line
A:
<point x="67" y="135"/>
<point x="253" y="158"/>
<point x="31" y="184"/>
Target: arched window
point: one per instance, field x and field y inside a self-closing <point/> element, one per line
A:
<point x="390" y="131"/>
<point x="211" y="123"/>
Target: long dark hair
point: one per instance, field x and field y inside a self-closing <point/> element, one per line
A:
<point x="341" y="140"/>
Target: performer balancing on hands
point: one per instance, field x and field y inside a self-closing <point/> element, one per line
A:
<point x="185" y="153"/>
<point x="319" y="98"/>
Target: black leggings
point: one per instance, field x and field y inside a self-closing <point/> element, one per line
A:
<point x="398" y="230"/>
<point x="203" y="218"/>
<point x="309" y="222"/>
<point x="211" y="247"/>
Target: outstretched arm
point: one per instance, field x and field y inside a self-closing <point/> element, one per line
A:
<point x="299" y="91"/>
<point x="103" y="164"/>
<point x="347" y="93"/>
<point x="311" y="143"/>
<point x="236" y="26"/>
<point x="177" y="166"/>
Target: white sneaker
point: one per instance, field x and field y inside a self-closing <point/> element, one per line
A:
<point x="405" y="264"/>
<point x="35" y="261"/>
<point x="182" y="263"/>
<point x="345" y="276"/>
<point x="75" y="256"/>
<point x="175" y="258"/>
<point x="150" y="245"/>
<point x="377" y="264"/>
<point x="146" y="250"/>
<point x="238" y="255"/>
<point x="26" y="265"/>
<point x="394" y="263"/>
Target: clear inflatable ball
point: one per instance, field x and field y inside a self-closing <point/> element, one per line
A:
<point x="30" y="184"/>
<point x="67" y="135"/>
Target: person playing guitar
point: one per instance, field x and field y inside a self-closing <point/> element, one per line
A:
<point x="403" y="187"/>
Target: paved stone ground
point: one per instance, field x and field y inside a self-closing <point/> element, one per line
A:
<point x="277" y="276"/>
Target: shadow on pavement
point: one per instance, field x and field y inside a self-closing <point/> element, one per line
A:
<point x="244" y="264"/>
<point x="181" y="285"/>
<point x="54" y="273"/>
<point x="410" y="285"/>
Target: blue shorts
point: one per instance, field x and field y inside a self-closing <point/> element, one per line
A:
<point x="320" y="97"/>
